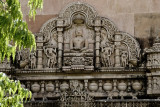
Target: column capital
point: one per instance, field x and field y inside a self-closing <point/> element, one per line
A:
<point x="60" y="22"/>
<point x="97" y="22"/>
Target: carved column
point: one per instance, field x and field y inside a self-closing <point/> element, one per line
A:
<point x="97" y="29"/>
<point x="39" y="50"/>
<point x="57" y="86"/>
<point x="114" y="85"/>
<point x="28" y="85"/>
<point x="117" y="43"/>
<point x="100" y="86"/>
<point x="60" y="41"/>
<point x="86" y="84"/>
<point x="149" y="83"/>
<point x="154" y="83"/>
<point x="42" y="86"/>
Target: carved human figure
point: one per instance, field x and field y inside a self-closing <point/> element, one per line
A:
<point x="78" y="43"/>
<point x="106" y="55"/>
<point x="32" y="60"/>
<point x="124" y="58"/>
<point x="51" y="55"/>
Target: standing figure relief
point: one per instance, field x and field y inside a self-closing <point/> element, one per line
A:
<point x="107" y="51"/>
<point x="50" y="52"/>
<point x="32" y="60"/>
<point x="124" y="58"/>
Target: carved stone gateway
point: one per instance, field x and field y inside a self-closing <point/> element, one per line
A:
<point x="82" y="58"/>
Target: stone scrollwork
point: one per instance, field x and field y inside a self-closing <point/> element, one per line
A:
<point x="78" y="61"/>
<point x="78" y="7"/>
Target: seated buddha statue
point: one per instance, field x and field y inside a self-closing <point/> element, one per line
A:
<point x="78" y="43"/>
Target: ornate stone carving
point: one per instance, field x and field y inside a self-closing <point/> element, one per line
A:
<point x="50" y="52"/>
<point x="153" y="55"/>
<point x="98" y="56"/>
<point x="64" y="86"/>
<point x="50" y="86"/>
<point x="107" y="51"/>
<point x="33" y="60"/>
<point x="35" y="87"/>
<point x="24" y="56"/>
<point x="107" y="86"/>
<point x="93" y="86"/>
<point x="78" y="43"/>
<point x="136" y="85"/>
<point x="124" y="58"/>
<point x="78" y="7"/>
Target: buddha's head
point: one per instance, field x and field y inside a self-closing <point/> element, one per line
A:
<point x="79" y="32"/>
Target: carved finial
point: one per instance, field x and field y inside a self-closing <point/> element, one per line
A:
<point x="157" y="40"/>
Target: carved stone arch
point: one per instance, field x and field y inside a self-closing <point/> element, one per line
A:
<point x="48" y="29"/>
<point x="49" y="25"/>
<point x="78" y="7"/>
<point x="109" y="25"/>
<point x="132" y="44"/>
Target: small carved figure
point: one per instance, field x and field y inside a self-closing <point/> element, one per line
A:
<point x="106" y="54"/>
<point x="124" y="58"/>
<point x="33" y="60"/>
<point x="51" y="55"/>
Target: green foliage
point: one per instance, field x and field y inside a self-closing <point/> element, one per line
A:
<point x="14" y="34"/>
<point x="34" y="5"/>
<point x="13" y="30"/>
<point x="11" y="92"/>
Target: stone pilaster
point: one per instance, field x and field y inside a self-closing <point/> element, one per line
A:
<point x="97" y="45"/>
<point x="60" y="41"/>
<point x="117" y="43"/>
<point x="39" y="50"/>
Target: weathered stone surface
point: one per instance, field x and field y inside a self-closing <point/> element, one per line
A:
<point x="35" y="26"/>
<point x="120" y="11"/>
<point x="81" y="55"/>
<point x="154" y="6"/>
<point x="147" y="26"/>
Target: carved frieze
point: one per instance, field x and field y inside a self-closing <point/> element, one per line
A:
<point x="101" y="60"/>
